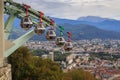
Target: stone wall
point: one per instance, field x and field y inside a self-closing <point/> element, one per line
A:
<point x="5" y="72"/>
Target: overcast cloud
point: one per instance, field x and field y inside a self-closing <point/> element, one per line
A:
<point x="73" y="9"/>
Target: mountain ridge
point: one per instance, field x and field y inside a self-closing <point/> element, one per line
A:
<point x="94" y="19"/>
<point x="104" y="23"/>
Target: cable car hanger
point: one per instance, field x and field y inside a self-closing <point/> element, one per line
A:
<point x="27" y="8"/>
<point x="60" y="41"/>
<point x="52" y="24"/>
<point x="61" y="31"/>
<point x="41" y="15"/>
<point x="50" y="34"/>
<point x="26" y="22"/>
<point x="69" y="36"/>
<point x="68" y="45"/>
<point x="39" y="28"/>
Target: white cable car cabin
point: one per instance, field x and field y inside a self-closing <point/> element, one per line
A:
<point x="68" y="46"/>
<point x="50" y="34"/>
<point x="39" y="28"/>
<point x="26" y="23"/>
<point x="60" y="41"/>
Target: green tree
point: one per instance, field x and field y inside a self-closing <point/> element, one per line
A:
<point x="28" y="67"/>
<point x="20" y="60"/>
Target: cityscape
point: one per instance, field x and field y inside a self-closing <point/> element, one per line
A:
<point x="100" y="57"/>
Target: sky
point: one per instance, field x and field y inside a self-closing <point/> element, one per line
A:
<point x="73" y="9"/>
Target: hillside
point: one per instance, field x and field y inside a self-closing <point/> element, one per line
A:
<point x="83" y="31"/>
<point x="84" y="28"/>
<point x="79" y="31"/>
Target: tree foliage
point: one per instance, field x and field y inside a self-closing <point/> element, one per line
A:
<point x="27" y="67"/>
<point x="60" y="57"/>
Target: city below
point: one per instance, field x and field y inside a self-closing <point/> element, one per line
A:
<point x="100" y="57"/>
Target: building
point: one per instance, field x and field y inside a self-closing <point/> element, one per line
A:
<point x="51" y="56"/>
<point x="69" y="58"/>
<point x="44" y="56"/>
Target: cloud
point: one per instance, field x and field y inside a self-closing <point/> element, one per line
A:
<point x="72" y="9"/>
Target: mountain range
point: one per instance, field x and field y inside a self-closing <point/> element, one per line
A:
<point x="99" y="22"/>
<point x="89" y="27"/>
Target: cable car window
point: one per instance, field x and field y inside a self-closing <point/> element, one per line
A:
<point x="51" y="32"/>
<point x="26" y="19"/>
<point x="68" y="44"/>
<point x="60" y="39"/>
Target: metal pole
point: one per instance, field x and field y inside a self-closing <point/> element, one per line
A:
<point x="2" y="41"/>
<point x="19" y="42"/>
<point x="8" y="26"/>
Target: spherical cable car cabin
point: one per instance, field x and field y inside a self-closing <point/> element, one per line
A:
<point x="68" y="45"/>
<point x="50" y="34"/>
<point x="26" y="22"/>
<point x="39" y="28"/>
<point x="60" y="41"/>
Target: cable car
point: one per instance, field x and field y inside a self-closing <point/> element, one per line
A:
<point x="60" y="41"/>
<point x="39" y="28"/>
<point x="68" y="46"/>
<point x="50" y="34"/>
<point x="26" y="23"/>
